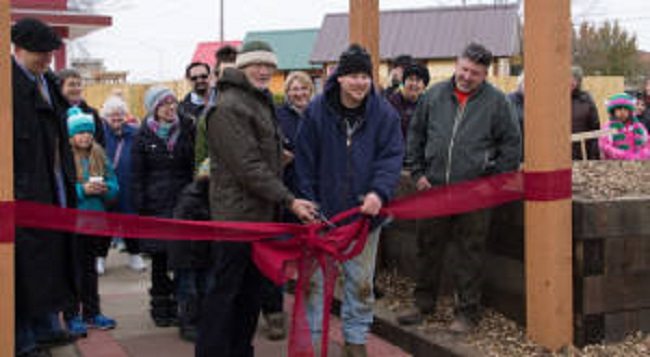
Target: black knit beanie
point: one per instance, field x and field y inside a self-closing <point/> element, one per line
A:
<point x="417" y="70"/>
<point x="354" y="60"/>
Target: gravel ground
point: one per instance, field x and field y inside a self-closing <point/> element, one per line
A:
<point x="606" y="179"/>
<point x="498" y="336"/>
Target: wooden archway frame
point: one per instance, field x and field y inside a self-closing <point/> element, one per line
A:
<point x="547" y="55"/>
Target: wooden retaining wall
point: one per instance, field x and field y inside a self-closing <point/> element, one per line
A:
<point x="611" y="264"/>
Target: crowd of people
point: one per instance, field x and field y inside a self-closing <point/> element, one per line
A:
<point x="227" y="152"/>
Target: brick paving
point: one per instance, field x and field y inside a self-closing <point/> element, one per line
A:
<point x="124" y="298"/>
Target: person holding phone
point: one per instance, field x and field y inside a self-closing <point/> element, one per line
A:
<point x="96" y="185"/>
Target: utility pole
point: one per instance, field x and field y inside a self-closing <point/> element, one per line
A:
<point x="548" y="224"/>
<point x="7" y="233"/>
<point x="221" y="21"/>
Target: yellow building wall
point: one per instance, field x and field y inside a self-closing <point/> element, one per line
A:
<point x="599" y="87"/>
<point x="277" y="82"/>
<point x="441" y="68"/>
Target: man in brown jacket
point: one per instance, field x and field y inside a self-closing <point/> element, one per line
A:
<point x="245" y="185"/>
<point x="584" y="116"/>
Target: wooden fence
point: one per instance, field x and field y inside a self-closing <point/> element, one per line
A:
<point x="599" y="87"/>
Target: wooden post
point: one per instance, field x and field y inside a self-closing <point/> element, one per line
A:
<point x="6" y="187"/>
<point x="547" y="55"/>
<point x="364" y="29"/>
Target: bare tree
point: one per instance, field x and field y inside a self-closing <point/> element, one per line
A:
<point x="607" y="49"/>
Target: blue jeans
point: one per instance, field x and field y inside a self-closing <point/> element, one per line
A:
<point x="358" y="296"/>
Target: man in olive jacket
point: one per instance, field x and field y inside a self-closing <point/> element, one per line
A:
<point x="462" y="129"/>
<point x="245" y="185"/>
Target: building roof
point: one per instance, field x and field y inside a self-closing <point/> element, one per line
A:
<point x="429" y="33"/>
<point x="75" y="23"/>
<point x="204" y="51"/>
<point x="293" y="47"/>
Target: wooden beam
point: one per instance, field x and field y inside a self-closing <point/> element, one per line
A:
<point x="364" y="29"/>
<point x="547" y="55"/>
<point x="6" y="186"/>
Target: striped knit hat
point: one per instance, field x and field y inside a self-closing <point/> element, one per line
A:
<point x="621" y="100"/>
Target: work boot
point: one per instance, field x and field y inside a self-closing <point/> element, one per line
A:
<point x="462" y="324"/>
<point x="354" y="350"/>
<point x="276" y="324"/>
<point x="411" y="316"/>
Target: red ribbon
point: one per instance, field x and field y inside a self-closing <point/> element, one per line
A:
<point x="7" y="222"/>
<point x="314" y="246"/>
<point x="547" y="186"/>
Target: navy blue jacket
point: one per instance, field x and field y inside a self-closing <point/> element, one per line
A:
<point x="289" y="120"/>
<point x="337" y="175"/>
<point x="122" y="164"/>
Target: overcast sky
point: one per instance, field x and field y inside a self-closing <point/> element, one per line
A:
<point x="154" y="39"/>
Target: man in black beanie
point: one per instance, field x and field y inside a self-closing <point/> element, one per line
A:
<point x="44" y="271"/>
<point x="405" y="98"/>
<point x="349" y="154"/>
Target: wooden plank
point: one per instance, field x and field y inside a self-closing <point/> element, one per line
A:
<point x="618" y="325"/>
<point x="548" y="245"/>
<point x="7" y="298"/>
<point x="619" y="218"/>
<point x="607" y="294"/>
<point x="637" y="255"/>
<point x="629" y="255"/>
<point x="594" y="134"/>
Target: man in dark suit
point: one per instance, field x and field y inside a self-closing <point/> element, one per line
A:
<point x="44" y="173"/>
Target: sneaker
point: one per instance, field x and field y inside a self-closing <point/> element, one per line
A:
<point x="76" y="327"/>
<point x="136" y="263"/>
<point x="119" y="245"/>
<point x="100" y="265"/>
<point x="101" y="322"/>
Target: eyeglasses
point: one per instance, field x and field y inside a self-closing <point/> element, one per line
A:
<point x="200" y="76"/>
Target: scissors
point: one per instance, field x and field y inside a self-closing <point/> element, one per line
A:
<point x="323" y="218"/>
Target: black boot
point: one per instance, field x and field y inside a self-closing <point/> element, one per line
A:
<point x="187" y="318"/>
<point x="163" y="310"/>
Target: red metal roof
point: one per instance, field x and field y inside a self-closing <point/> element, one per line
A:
<point x="205" y="50"/>
<point x="74" y="23"/>
<point x="40" y="4"/>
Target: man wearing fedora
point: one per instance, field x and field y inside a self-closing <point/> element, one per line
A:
<point x="44" y="173"/>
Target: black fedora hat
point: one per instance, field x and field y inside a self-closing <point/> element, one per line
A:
<point x="34" y="35"/>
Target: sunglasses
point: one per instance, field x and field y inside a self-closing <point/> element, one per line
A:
<point x="200" y="76"/>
